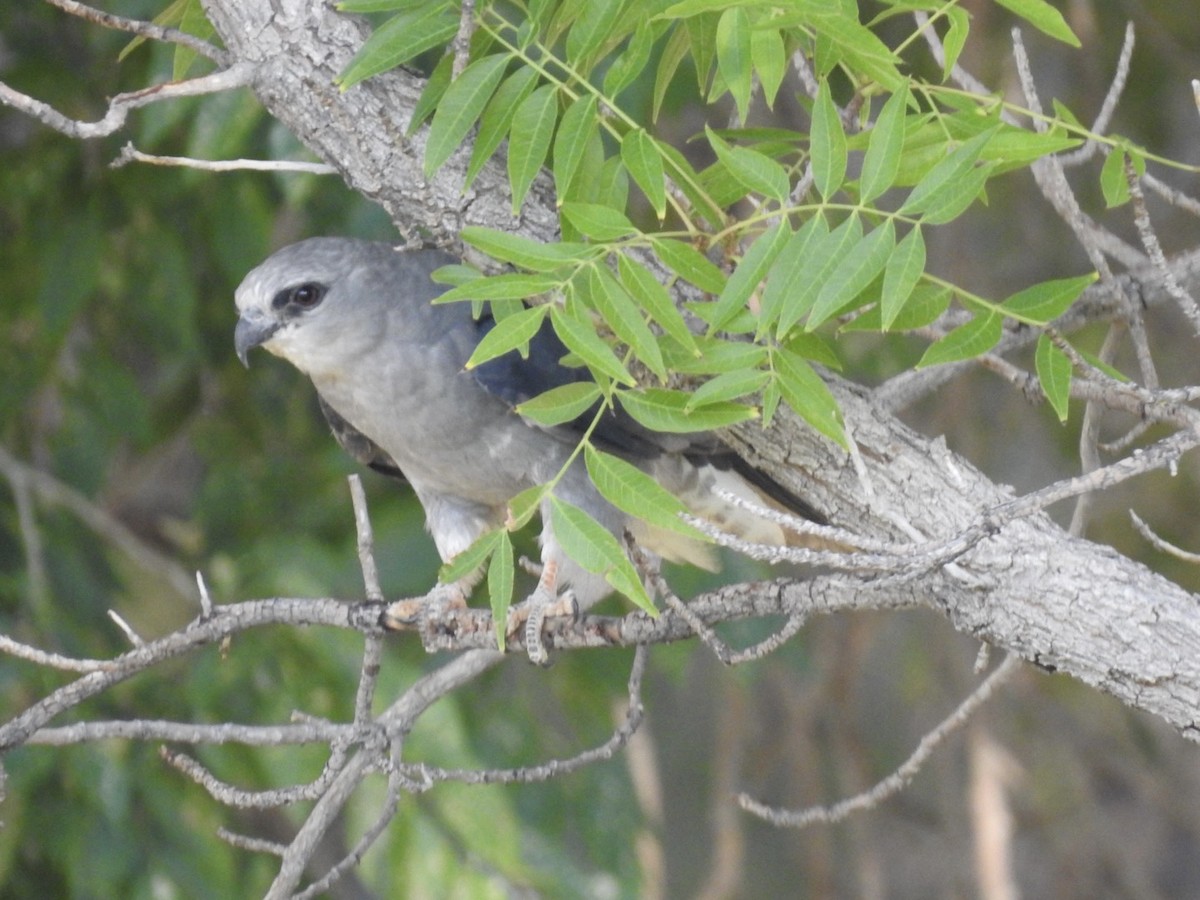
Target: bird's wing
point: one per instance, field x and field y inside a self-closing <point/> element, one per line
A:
<point x="360" y="447"/>
<point x="515" y="379"/>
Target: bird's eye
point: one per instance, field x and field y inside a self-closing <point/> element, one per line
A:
<point x="303" y="296"/>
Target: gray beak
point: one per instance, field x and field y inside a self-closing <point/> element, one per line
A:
<point x="253" y="329"/>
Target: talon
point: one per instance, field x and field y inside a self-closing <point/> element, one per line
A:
<point x="423" y="614"/>
<point x="529" y="617"/>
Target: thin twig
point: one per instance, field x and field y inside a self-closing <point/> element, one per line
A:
<point x="145" y="29"/>
<point x="237" y="75"/>
<point x="1115" y="88"/>
<point x="894" y="782"/>
<point x="130" y="154"/>
<point x="51" y="660"/>
<point x="1162" y="544"/>
<point x="1141" y="218"/>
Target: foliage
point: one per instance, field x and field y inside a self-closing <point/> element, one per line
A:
<point x="789" y="235"/>
<point x="117" y="375"/>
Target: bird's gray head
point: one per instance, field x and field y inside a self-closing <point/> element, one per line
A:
<point x="312" y="302"/>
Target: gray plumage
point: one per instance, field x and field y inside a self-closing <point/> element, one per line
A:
<point x="355" y="316"/>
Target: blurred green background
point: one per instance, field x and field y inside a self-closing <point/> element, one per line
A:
<point x="118" y="380"/>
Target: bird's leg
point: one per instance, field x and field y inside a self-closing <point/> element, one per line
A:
<point x="425" y="614"/>
<point x="543" y="602"/>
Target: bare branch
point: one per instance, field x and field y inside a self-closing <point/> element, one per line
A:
<point x="1160" y="543"/>
<point x="237" y="75"/>
<point x="145" y="29"/>
<point x="130" y="154"/>
<point x="900" y="778"/>
<point x="1141" y="218"/>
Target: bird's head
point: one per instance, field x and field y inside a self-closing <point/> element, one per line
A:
<point x="312" y="302"/>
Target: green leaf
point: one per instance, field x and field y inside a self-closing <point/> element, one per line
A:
<point x="808" y="395"/>
<point x="925" y="304"/>
<point x="828" y="143"/>
<point x="582" y="340"/>
<point x="1044" y="17"/>
<point x="881" y="164"/>
<point x="734" y="60"/>
<point x="904" y="269"/>
<point x="793" y="264"/>
<point x="1113" y="182"/>
<point x="501" y="572"/>
<point x="946" y="174"/>
<point x="632" y="491"/>
<point x="770" y="61"/>
<point x="717" y="355"/>
<point x="594" y="548"/>
<point x="824" y="258"/>
<point x="655" y="300"/>
<point x="1054" y="372"/>
<point x="663" y="409"/>
<point x="690" y="264"/>
<point x="398" y="40"/>
<point x="497" y="118"/>
<point x="510" y="333"/>
<point x="594" y="26"/>
<point x="728" y="386"/>
<point x="622" y="315"/>
<point x="860" y="47"/>
<point x="431" y="96"/>
<point x="601" y="223"/>
<point x="629" y="64"/>
<point x="644" y="163"/>
<point x="570" y="144"/>
<point x="850" y="278"/>
<point x="514" y="286"/>
<point x="523" y="251"/>
<point x="671" y="56"/>
<point x="522" y="507"/>
<point x="752" y="169"/>
<point x="564" y="403"/>
<point x="1042" y="303"/>
<point x="955" y="38"/>
<point x="748" y="275"/>
<point x="968" y="341"/>
<point x="469" y="561"/>
<point x="532" y="132"/>
<point x="461" y="106"/>
<point x="954" y="198"/>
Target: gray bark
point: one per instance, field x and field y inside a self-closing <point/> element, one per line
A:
<point x="1065" y="604"/>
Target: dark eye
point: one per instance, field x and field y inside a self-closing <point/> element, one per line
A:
<point x="303" y="296"/>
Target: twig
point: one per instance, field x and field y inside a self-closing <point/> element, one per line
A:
<point x="256" y="845"/>
<point x="206" y="604"/>
<point x="312" y="732"/>
<point x="461" y="45"/>
<point x="129" y="154"/>
<point x="52" y="660"/>
<point x="1108" y="107"/>
<point x="237" y="75"/>
<point x="1141" y="218"/>
<point x="894" y="782"/>
<point x="1160" y="543"/>
<point x="132" y="636"/>
<point x="634" y="712"/>
<point x="145" y="29"/>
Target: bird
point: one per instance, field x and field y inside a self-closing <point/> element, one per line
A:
<point x="389" y="368"/>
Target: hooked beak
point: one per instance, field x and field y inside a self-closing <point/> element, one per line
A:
<point x="253" y="330"/>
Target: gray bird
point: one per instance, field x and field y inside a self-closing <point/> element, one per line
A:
<point x="388" y="366"/>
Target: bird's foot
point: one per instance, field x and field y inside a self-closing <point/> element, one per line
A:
<point x="426" y="615"/>
<point x="543" y="603"/>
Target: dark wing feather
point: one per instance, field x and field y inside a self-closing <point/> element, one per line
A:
<point x="360" y="447"/>
<point x="515" y="379"/>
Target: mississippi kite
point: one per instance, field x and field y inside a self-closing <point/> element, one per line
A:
<point x="388" y="366"/>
